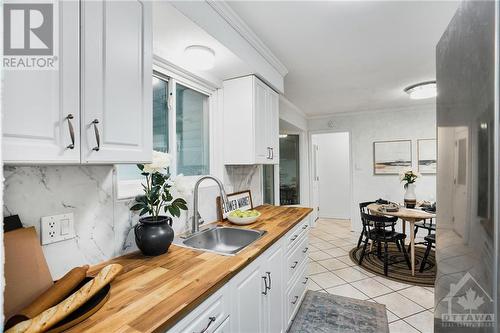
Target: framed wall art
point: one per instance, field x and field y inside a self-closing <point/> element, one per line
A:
<point x="427" y="155"/>
<point x="391" y="157"/>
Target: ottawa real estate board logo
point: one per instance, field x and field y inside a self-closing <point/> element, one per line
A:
<point x="29" y="42"/>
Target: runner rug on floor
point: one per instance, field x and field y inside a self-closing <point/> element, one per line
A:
<point x="400" y="271"/>
<point x="325" y="313"/>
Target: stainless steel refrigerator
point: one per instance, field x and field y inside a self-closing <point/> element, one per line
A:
<point x="467" y="246"/>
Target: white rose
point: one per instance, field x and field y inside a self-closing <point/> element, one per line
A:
<point x="161" y="161"/>
<point x="183" y="185"/>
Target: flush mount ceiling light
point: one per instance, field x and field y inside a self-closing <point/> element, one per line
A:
<point x="199" y="57"/>
<point x="422" y="90"/>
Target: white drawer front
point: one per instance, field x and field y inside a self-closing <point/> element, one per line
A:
<point x="297" y="257"/>
<point x="296" y="293"/>
<point x="295" y="235"/>
<point x="207" y="317"/>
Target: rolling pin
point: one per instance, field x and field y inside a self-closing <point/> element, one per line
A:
<point x="55" y="314"/>
<point x="52" y="296"/>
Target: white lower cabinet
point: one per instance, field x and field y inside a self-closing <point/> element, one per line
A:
<point x="263" y="297"/>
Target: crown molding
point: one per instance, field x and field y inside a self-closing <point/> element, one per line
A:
<point x="230" y="16"/>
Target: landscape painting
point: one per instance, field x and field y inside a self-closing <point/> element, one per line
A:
<point x="427" y="155"/>
<point x="391" y="157"/>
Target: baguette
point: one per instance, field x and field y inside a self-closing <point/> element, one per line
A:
<point x="55" y="314"/>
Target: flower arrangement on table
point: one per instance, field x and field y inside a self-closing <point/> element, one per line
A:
<point x="409" y="177"/>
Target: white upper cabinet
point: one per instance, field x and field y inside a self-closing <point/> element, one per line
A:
<point x="41" y="112"/>
<point x="96" y="108"/>
<point x="251" y="122"/>
<point x="116" y="81"/>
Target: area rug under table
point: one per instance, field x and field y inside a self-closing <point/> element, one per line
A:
<point x="325" y="313"/>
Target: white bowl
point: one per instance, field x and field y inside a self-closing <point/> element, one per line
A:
<point x="243" y="220"/>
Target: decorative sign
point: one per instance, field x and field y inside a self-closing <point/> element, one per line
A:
<point x="427" y="155"/>
<point x="239" y="200"/>
<point x="391" y="157"/>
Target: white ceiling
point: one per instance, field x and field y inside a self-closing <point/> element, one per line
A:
<point x="350" y="56"/>
<point x="173" y="32"/>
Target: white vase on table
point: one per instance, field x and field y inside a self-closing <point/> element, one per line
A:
<point x="410" y="197"/>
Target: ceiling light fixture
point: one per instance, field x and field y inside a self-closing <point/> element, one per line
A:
<point x="199" y="57"/>
<point x="422" y="90"/>
<point x="282" y="136"/>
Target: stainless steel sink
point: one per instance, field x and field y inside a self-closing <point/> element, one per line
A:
<point x="221" y="240"/>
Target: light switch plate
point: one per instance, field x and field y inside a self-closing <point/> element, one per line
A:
<point x="57" y="228"/>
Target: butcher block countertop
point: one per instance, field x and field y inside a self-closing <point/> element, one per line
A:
<point x="153" y="293"/>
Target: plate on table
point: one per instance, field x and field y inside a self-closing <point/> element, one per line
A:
<point x="389" y="208"/>
<point x="243" y="217"/>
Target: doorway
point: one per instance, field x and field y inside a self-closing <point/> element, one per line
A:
<point x="332" y="175"/>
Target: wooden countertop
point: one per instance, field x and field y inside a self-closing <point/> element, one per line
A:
<point x="153" y="293"/>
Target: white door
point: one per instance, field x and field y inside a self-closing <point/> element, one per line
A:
<point x="41" y="111"/>
<point x="116" y="81"/>
<point x="261" y="101"/>
<point x="315" y="182"/>
<point x="460" y="181"/>
<point x="247" y="301"/>
<point x="273" y="309"/>
<point x="334" y="175"/>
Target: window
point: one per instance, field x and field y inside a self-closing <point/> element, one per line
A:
<point x="268" y="183"/>
<point x="184" y="111"/>
<point x="289" y="170"/>
<point x="191" y="132"/>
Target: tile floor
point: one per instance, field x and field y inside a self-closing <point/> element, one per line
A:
<point x="409" y="308"/>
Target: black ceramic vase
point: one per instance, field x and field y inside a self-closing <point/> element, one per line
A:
<point x="153" y="235"/>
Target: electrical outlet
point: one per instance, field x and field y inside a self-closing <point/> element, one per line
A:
<point x="57" y="228"/>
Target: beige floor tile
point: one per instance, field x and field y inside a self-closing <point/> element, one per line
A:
<point x="351" y="274"/>
<point x="347" y="290"/>
<point x="327" y="280"/>
<point x="315" y="268"/>
<point x="332" y="264"/>
<point x="324" y="245"/>
<point x="311" y="285"/>
<point x="399" y="305"/>
<point x="372" y="287"/>
<point x="419" y="295"/>
<point x="394" y="285"/>
<point x="347" y="260"/>
<point x="336" y="252"/>
<point x="391" y="317"/>
<point x="401" y="326"/>
<point x="423" y="321"/>
<point x="319" y="255"/>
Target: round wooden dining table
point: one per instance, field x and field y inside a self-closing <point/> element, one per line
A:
<point x="406" y="215"/>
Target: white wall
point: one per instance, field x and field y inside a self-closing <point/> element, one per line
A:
<point x="367" y="127"/>
<point x="334" y="175"/>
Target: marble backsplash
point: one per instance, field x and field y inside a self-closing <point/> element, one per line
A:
<point x="103" y="223"/>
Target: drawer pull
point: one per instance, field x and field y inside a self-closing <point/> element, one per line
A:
<point x="269" y="277"/>
<point x="265" y="286"/>
<point x="295" y="263"/>
<point x="305" y="250"/>
<point x="305" y="226"/>
<point x="296" y="298"/>
<point x="294" y="237"/>
<point x="97" y="136"/>
<point x="305" y="281"/>
<point x="210" y="321"/>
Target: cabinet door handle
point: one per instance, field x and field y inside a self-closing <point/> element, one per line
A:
<point x="305" y="250"/>
<point x="305" y="281"/>
<point x="294" y="237"/>
<point x="71" y="132"/>
<point x="268" y="153"/>
<point x="97" y="136"/>
<point x="272" y="153"/>
<point x="296" y="298"/>
<point x="265" y="285"/>
<point x="305" y="226"/>
<point x="295" y="263"/>
<point x="270" y="280"/>
<point x="210" y="321"/>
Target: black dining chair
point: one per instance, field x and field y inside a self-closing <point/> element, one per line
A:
<point x="375" y="231"/>
<point x="430" y="242"/>
<point x="363" y="209"/>
<point x="427" y="224"/>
